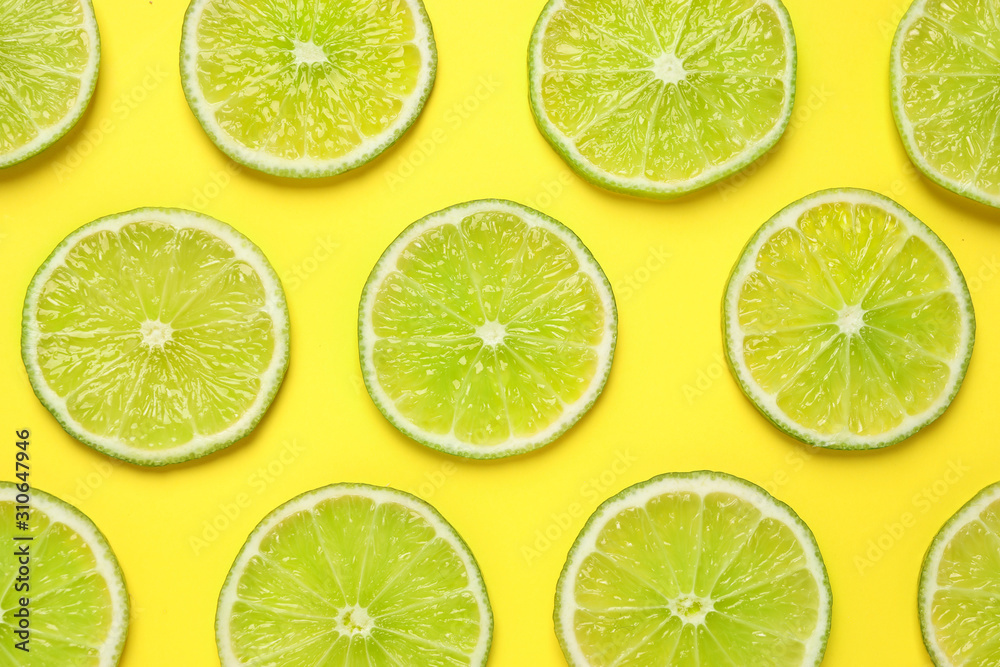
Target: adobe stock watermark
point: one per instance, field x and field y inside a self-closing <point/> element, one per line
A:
<point x="592" y="492"/>
<point x="633" y="282"/>
<point x="259" y="481"/>
<point x="454" y="118"/>
<point x="806" y="106"/>
<point x="887" y="24"/>
<point x="434" y="480"/>
<point x="920" y="504"/>
<point x="213" y="187"/>
<point x="323" y="249"/>
<point x="123" y="107"/>
<point x="88" y="483"/>
<point x="550" y="190"/>
<point x="705" y="378"/>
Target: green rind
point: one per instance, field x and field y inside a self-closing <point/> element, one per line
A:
<point x="107" y="552"/>
<point x="336" y="166"/>
<point x="926" y="573"/>
<point x="368" y="293"/>
<point x="37" y="381"/>
<point x="803" y="435"/>
<point x="912" y="151"/>
<point x="69" y="121"/>
<point x="476" y="572"/>
<point x="562" y="632"/>
<point x="595" y="177"/>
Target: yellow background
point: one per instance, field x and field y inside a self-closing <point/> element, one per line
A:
<point x="670" y="404"/>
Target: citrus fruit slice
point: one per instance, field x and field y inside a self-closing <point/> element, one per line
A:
<point x="156" y="336"/>
<point x="486" y="330"/>
<point x="352" y="574"/>
<point x="50" y="52"/>
<point x="946" y="93"/>
<point x="78" y="608"/>
<point x="306" y="89"/>
<point x="658" y="99"/>
<point x="693" y="569"/>
<point x="847" y="322"/>
<point x="959" y="598"/>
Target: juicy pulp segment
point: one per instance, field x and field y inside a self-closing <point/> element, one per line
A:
<point x="71" y="609"/>
<point x="696" y="579"/>
<point x="965" y="604"/>
<point x="154" y="334"/>
<point x="355" y="581"/>
<point x="307" y="79"/>
<point x="851" y="322"/>
<point x="949" y="61"/>
<point x="486" y="329"/>
<point x="663" y="91"/>
<point x="45" y="49"/>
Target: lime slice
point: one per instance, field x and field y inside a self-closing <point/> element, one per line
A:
<point x="959" y="598"/>
<point x="847" y="322"/>
<point x="306" y="89"/>
<point x="661" y="98"/>
<point x="351" y="574"/>
<point x="49" y="56"/>
<point x="156" y="336"/>
<point x="693" y="569"/>
<point x="78" y="607"/>
<point x="486" y="330"/>
<point x="946" y="93"/>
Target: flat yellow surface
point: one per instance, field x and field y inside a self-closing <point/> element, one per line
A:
<point x="670" y="404"/>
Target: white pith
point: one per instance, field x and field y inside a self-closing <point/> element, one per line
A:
<point x="275" y="308"/>
<point x="665" y="69"/>
<point x="423" y="40"/>
<point x="932" y="563"/>
<point x="701" y="484"/>
<point x="515" y="444"/>
<point x="106" y="564"/>
<point x="766" y="402"/>
<point x="308" y="501"/>
<point x="905" y="125"/>
<point x="88" y="81"/>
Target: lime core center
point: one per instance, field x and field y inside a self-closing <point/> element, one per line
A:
<point x="354" y="620"/>
<point x="852" y="318"/>
<point x="668" y="68"/>
<point x="691" y="609"/>
<point x="308" y="53"/>
<point x="492" y="333"/>
<point x="155" y="333"/>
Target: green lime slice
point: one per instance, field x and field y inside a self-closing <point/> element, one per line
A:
<point x="78" y="607"/>
<point x="352" y="574"/>
<point x="693" y="569"/>
<point x="306" y="89"/>
<point x="959" y="598"/>
<point x="946" y="93"/>
<point x="847" y="321"/>
<point x="50" y="51"/>
<point x="486" y="330"/>
<point x="658" y="99"/>
<point x="156" y="336"/>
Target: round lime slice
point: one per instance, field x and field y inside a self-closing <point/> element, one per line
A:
<point x="847" y="321"/>
<point x="946" y="93"/>
<point x="486" y="330"/>
<point x="50" y="51"/>
<point x="77" y="605"/>
<point x="693" y="569"/>
<point x="306" y="89"/>
<point x="156" y="336"/>
<point x="661" y="98"/>
<point x="351" y="574"/>
<point x="959" y="599"/>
